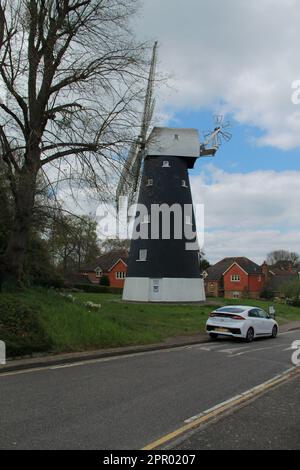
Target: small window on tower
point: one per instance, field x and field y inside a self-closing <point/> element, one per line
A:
<point x="166" y="164"/>
<point x="183" y="184"/>
<point x="176" y="137"/>
<point x="150" y="182"/>
<point x="142" y="255"/>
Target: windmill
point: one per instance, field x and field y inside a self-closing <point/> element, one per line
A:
<point x="164" y="268"/>
<point x="130" y="176"/>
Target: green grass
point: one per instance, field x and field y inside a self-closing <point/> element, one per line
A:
<point x="74" y="327"/>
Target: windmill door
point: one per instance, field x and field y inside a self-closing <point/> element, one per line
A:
<point x="155" y="289"/>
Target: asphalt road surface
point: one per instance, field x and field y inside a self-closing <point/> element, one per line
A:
<point x="128" y="402"/>
<point x="270" y="422"/>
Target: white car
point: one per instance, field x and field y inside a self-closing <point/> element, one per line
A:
<point x="241" y="321"/>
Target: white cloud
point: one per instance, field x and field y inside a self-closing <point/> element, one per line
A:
<point x="248" y="214"/>
<point x="252" y="244"/>
<point x="239" y="53"/>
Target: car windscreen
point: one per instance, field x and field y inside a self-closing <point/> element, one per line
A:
<point x="230" y="310"/>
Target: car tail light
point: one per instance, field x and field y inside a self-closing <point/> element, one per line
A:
<point x="237" y="317"/>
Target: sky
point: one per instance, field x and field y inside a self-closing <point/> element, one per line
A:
<point x="239" y="59"/>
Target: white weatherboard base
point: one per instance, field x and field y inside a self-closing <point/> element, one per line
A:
<point x="144" y="289"/>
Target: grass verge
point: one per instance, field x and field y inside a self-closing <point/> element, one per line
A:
<point x="43" y="320"/>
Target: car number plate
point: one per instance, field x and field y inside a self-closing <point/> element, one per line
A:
<point x="222" y="330"/>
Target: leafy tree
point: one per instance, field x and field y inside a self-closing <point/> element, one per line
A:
<point x="73" y="242"/>
<point x="71" y="78"/>
<point x="204" y="264"/>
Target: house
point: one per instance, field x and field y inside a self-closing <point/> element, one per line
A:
<point x="112" y="264"/>
<point x="234" y="278"/>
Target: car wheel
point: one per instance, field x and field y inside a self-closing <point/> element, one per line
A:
<point x="213" y="335"/>
<point x="250" y="335"/>
<point x="274" y="332"/>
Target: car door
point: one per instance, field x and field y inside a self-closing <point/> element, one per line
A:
<point x="255" y="320"/>
<point x="265" y="321"/>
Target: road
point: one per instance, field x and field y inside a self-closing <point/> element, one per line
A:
<point x="127" y="402"/>
<point x="270" y="422"/>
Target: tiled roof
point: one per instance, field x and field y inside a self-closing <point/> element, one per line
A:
<point x="106" y="261"/>
<point x="216" y="271"/>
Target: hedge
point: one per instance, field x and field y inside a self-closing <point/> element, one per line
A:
<point x="96" y="288"/>
<point x="20" y="328"/>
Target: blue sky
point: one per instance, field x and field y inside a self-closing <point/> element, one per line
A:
<point x="241" y="154"/>
<point x="225" y="58"/>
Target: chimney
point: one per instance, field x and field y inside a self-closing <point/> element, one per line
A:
<point x="265" y="270"/>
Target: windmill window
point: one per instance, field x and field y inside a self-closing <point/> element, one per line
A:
<point x="142" y="255"/>
<point x="150" y="182"/>
<point x="166" y="164"/>
<point x="183" y="184"/>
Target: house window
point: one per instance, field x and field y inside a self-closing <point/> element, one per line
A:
<point x="235" y="295"/>
<point x="166" y="164"/>
<point x="120" y="275"/>
<point x="235" y="278"/>
<point x="150" y="182"/>
<point x="142" y="255"/>
<point x="98" y="272"/>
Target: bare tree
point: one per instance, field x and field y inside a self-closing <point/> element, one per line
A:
<point x="71" y="76"/>
<point x="282" y="258"/>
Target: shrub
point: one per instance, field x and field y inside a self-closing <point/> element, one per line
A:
<point x="104" y="281"/>
<point x="267" y="294"/>
<point x="291" y="292"/>
<point x="20" y="328"/>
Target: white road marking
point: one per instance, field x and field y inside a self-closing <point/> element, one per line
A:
<point x="232" y="350"/>
<point x="211" y="347"/>
<point x="256" y="349"/>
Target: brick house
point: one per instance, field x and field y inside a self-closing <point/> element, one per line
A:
<point x="112" y="264"/>
<point x="234" y="278"/>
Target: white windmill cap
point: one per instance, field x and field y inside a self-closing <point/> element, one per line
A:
<point x="172" y="141"/>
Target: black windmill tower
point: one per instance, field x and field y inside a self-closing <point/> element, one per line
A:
<point x="164" y="263"/>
